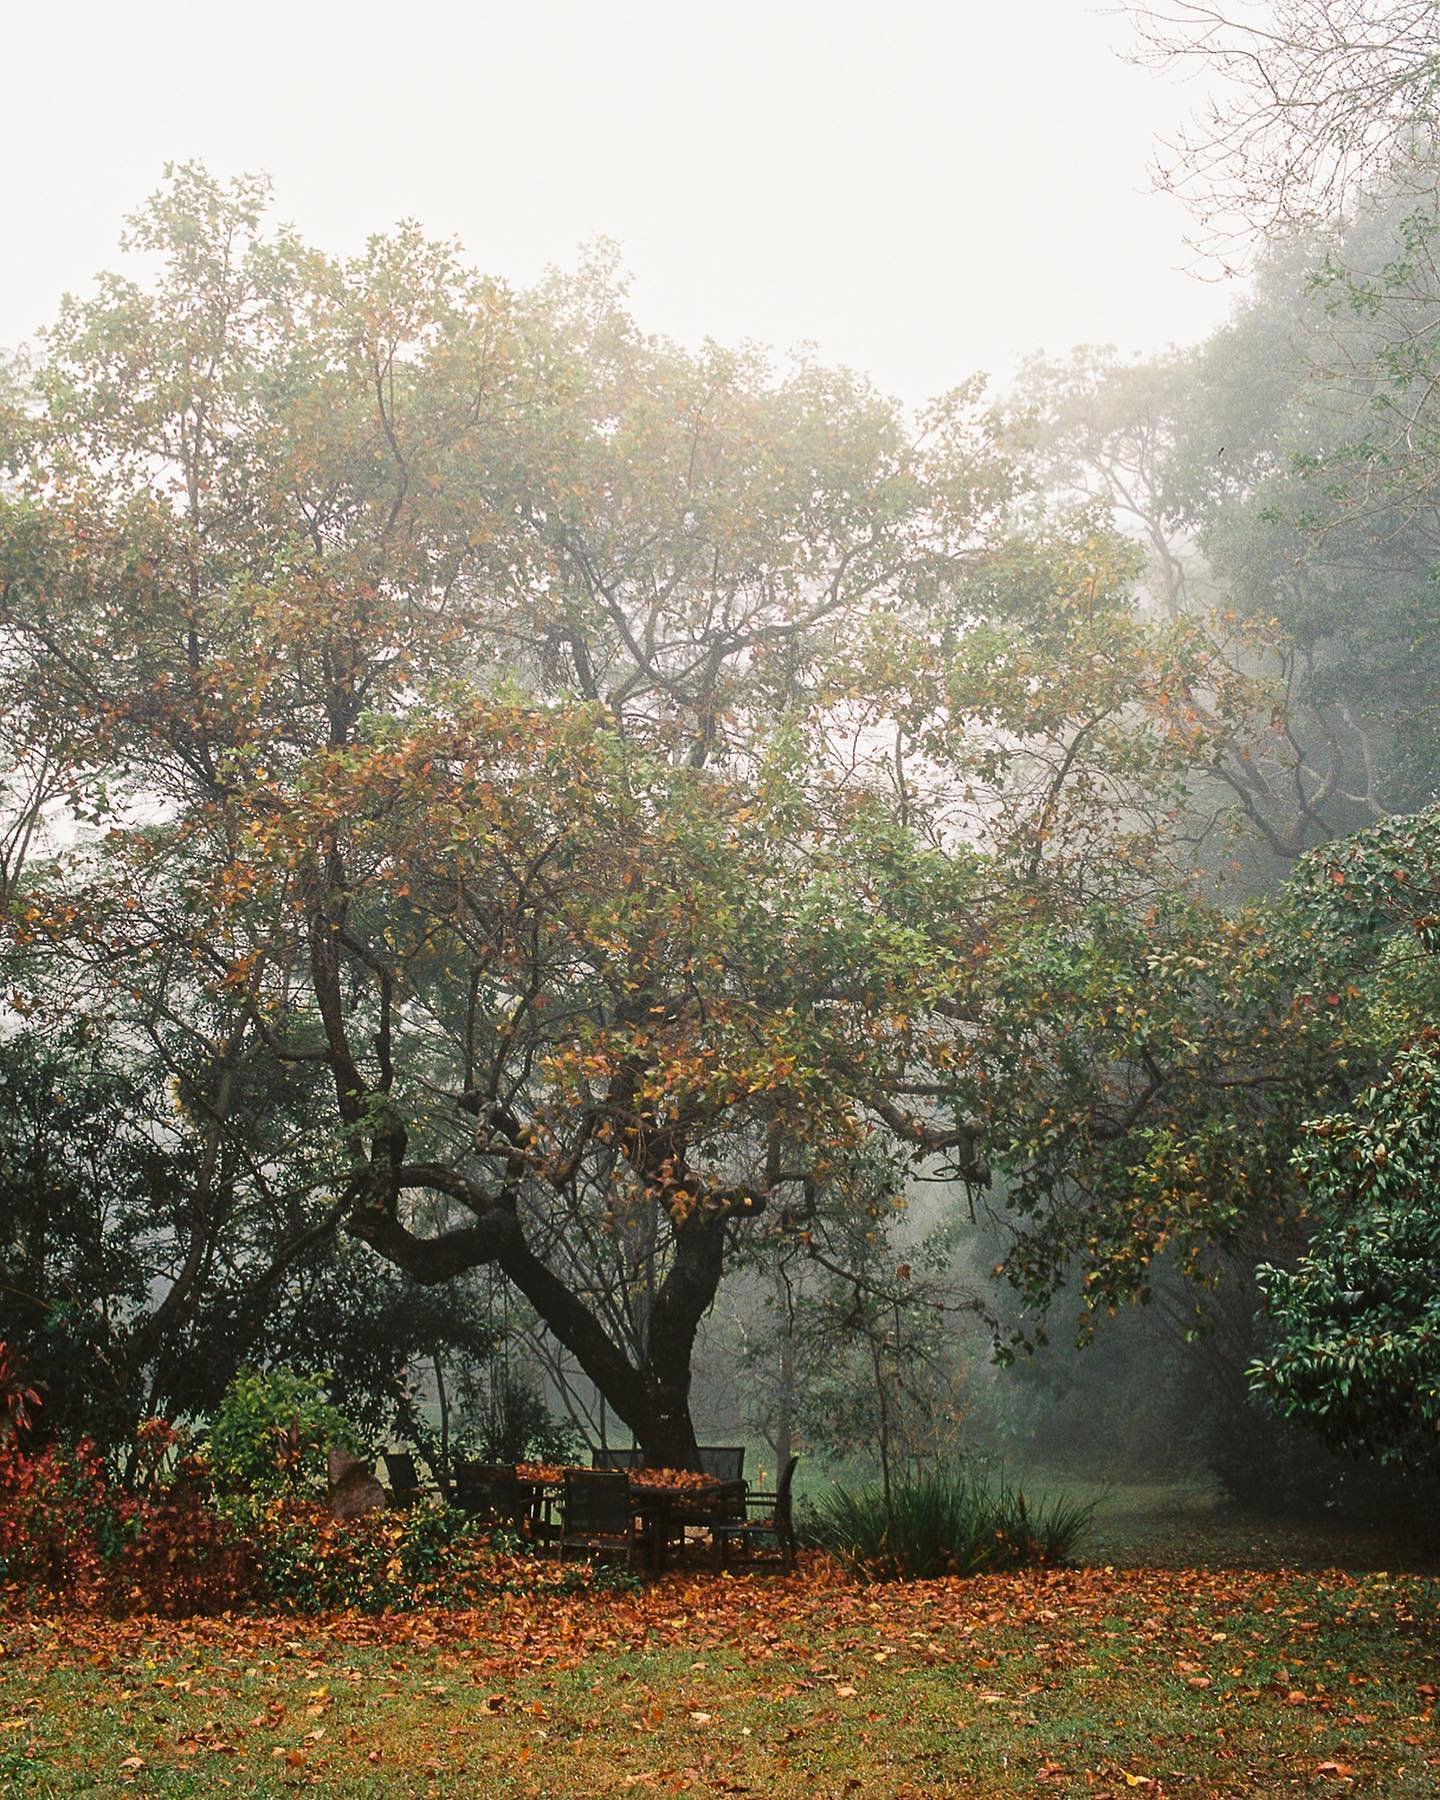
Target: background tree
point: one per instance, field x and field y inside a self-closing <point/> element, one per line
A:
<point x="1282" y="477"/>
<point x="88" y="1194"/>
<point x="1319" y="101"/>
<point x="1284" y="487"/>
<point x="100" y="1169"/>
<point x="850" y="1346"/>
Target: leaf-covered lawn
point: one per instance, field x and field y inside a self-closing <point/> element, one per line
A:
<point x="1092" y="1682"/>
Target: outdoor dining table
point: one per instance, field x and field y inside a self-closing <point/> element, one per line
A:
<point x="659" y="1496"/>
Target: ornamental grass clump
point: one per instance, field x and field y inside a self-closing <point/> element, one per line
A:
<point x="945" y="1522"/>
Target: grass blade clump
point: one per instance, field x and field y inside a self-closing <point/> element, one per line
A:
<point x="945" y="1522"/>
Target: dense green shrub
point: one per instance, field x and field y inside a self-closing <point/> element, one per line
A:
<point x="271" y="1432"/>
<point x="308" y="1561"/>
<point x="1355" y="1350"/>
<point x="944" y="1522"/>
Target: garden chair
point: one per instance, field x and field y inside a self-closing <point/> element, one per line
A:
<point x="726" y="1462"/>
<point x="723" y="1504"/>
<point x="597" y="1514"/>
<point x="634" y="1458"/>
<point x="403" y="1476"/>
<point x="764" y="1516"/>
<point x="490" y="1492"/>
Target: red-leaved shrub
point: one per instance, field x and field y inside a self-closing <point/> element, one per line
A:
<point x="179" y="1558"/>
<point x="72" y="1537"/>
<point x="58" y="1524"/>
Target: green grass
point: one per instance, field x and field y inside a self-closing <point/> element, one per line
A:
<point x="1081" y="1683"/>
<point x="1180" y="1524"/>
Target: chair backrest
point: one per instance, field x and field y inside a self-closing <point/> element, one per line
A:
<point x="633" y="1458"/>
<point x="400" y="1467"/>
<point x="489" y="1489"/>
<point x="596" y="1500"/>
<point x="724" y="1461"/>
<point x="729" y="1500"/>
<point x="782" y="1492"/>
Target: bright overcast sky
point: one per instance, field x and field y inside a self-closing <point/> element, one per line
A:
<point x="919" y="190"/>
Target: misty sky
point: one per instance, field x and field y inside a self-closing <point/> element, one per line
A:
<point x="919" y="190"/>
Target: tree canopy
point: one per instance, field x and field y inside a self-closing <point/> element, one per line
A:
<point x="627" y="785"/>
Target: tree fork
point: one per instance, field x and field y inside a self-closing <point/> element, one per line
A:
<point x="653" y="1402"/>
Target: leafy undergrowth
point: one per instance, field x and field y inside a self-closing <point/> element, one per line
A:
<point x="1080" y="1682"/>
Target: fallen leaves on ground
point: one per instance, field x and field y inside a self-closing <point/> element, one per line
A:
<point x="780" y="1676"/>
<point x="764" y="1616"/>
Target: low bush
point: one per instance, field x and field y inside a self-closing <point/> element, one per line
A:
<point x="69" y="1540"/>
<point x="74" y="1537"/>
<point x="428" y="1555"/>
<point x="271" y="1431"/>
<point x="944" y="1522"/>
<point x="59" y="1523"/>
<point x="308" y="1561"/>
<point x="180" y="1557"/>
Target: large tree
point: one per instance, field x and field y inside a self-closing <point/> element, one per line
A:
<point x="610" y="769"/>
